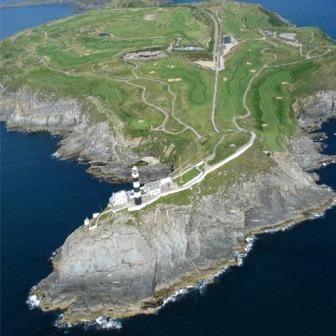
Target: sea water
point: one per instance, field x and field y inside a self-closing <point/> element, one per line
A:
<point x="286" y="285"/>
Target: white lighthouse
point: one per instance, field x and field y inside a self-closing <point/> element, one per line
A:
<point x="136" y="186"/>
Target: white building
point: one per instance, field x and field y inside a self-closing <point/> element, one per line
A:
<point x="167" y="180"/>
<point x="153" y="188"/>
<point x="157" y="187"/>
<point x="119" y="198"/>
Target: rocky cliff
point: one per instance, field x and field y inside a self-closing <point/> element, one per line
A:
<point x="131" y="261"/>
<point x="312" y="112"/>
<point x="108" y="151"/>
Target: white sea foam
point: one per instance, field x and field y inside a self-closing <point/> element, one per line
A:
<point x="108" y="323"/>
<point x="316" y="215"/>
<point x="202" y="285"/>
<point x="55" y="155"/>
<point x="241" y="255"/>
<point x="52" y="256"/>
<point x="174" y="297"/>
<point x="101" y="322"/>
<point x="33" y="301"/>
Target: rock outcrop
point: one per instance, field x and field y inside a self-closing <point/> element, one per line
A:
<point x="312" y="112"/>
<point x="131" y="261"/>
<point x="121" y="266"/>
<point x="109" y="153"/>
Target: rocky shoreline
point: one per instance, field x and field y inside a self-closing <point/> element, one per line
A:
<point x="103" y="146"/>
<point x="131" y="263"/>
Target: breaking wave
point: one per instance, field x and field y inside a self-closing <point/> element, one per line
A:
<point x="33" y="301"/>
<point x="201" y="286"/>
<point x="248" y="247"/>
<point x="55" y="155"/>
<point x="101" y="322"/>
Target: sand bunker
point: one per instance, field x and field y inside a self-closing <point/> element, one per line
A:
<point x="150" y="17"/>
<point x="287" y="36"/>
<point x="151" y="72"/>
<point x="279" y="98"/>
<point x="248" y="63"/>
<point x="225" y="79"/>
<point x="253" y="70"/>
<point x="174" y="79"/>
<point x="206" y="64"/>
<point x="284" y="83"/>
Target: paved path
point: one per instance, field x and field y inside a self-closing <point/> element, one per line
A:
<point x="217" y="60"/>
<point x="207" y="169"/>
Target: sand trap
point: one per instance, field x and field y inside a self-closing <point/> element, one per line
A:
<point x="279" y="98"/>
<point x="151" y="72"/>
<point x="225" y="79"/>
<point x="141" y="121"/>
<point x="264" y="125"/>
<point x="253" y="70"/>
<point x="171" y="66"/>
<point x="284" y="83"/>
<point x="174" y="79"/>
<point x="150" y="17"/>
<point x="249" y="49"/>
<point x="287" y="36"/>
<point x="155" y="63"/>
<point x="206" y="64"/>
<point x="232" y="145"/>
<point x="248" y="63"/>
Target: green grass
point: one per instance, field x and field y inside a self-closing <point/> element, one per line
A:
<point x="273" y="116"/>
<point x="231" y="142"/>
<point x="68" y="58"/>
<point x="188" y="176"/>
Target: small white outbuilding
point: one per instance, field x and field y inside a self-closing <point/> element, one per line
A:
<point x="118" y="198"/>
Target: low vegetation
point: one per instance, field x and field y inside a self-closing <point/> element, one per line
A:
<point x="168" y="101"/>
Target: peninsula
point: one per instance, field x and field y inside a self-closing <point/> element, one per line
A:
<point x="214" y="105"/>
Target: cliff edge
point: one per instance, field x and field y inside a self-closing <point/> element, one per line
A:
<point x="133" y="260"/>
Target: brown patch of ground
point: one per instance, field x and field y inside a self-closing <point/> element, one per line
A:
<point x="150" y="17"/>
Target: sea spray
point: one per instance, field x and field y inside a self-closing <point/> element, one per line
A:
<point x="56" y="155"/>
<point x="33" y="301"/>
<point x="202" y="285"/>
<point x="101" y="322"/>
<point x="248" y="247"/>
<point x="176" y="296"/>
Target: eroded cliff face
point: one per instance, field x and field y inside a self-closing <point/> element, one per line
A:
<point x="25" y="111"/>
<point x="109" y="153"/>
<point x="312" y="112"/>
<point x="130" y="262"/>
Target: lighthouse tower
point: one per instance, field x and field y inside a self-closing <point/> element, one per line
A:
<point x="136" y="186"/>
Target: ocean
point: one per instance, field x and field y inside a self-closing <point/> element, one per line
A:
<point x="286" y="286"/>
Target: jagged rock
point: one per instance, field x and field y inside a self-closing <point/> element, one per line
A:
<point x="312" y="111"/>
<point x="131" y="261"/>
<point x="108" y="151"/>
<point x="125" y="260"/>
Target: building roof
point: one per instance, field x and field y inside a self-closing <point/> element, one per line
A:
<point x="153" y="186"/>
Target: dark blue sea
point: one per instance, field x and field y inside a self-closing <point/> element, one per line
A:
<point x="286" y="286"/>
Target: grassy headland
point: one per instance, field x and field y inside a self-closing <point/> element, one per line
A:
<point x="168" y="100"/>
